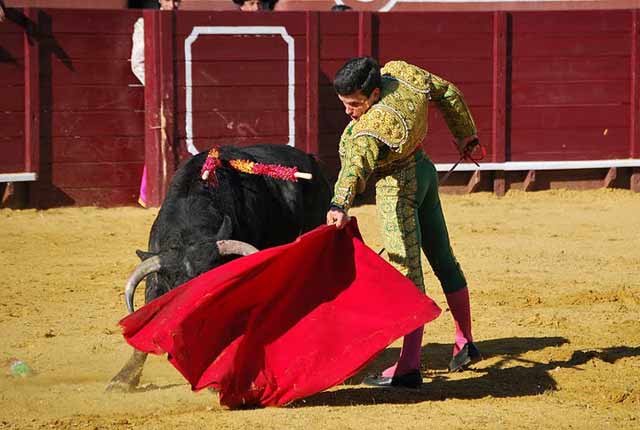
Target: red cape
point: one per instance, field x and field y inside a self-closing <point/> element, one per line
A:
<point x="284" y="323"/>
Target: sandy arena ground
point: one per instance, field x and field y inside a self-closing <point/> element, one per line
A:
<point x="555" y="286"/>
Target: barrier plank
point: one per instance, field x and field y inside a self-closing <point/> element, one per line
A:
<point x="561" y="117"/>
<point x="570" y="93"/>
<point x="219" y="47"/>
<point x="95" y="46"/>
<point x="103" y="71"/>
<point x="12" y="99"/>
<point x="242" y="124"/>
<point x="187" y="20"/>
<point x="96" y="98"/>
<point x="87" y="149"/>
<point x="426" y="46"/>
<point x="240" y="73"/>
<point x="12" y="159"/>
<point x="11" y="50"/>
<point x="244" y="99"/>
<point x="570" y="45"/>
<point x="74" y="21"/>
<point x="10" y="29"/>
<point x="583" y="22"/>
<point x="338" y="46"/>
<point x="96" y="175"/>
<point x="90" y="196"/>
<point x="569" y="144"/>
<point x="11" y="73"/>
<point x="343" y="24"/>
<point x="94" y="123"/>
<point x="571" y="69"/>
<point x="12" y="124"/>
<point x="434" y="22"/>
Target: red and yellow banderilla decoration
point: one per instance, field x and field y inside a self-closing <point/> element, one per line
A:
<point x="213" y="161"/>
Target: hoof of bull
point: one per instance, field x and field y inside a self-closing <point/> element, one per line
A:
<point x="125" y="381"/>
<point x="128" y="377"/>
<point x="116" y="386"/>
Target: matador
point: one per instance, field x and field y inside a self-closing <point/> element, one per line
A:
<point x="388" y="109"/>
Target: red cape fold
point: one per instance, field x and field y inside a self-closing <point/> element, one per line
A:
<point x="284" y="323"/>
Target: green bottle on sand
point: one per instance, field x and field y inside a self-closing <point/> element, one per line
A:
<point x="19" y="368"/>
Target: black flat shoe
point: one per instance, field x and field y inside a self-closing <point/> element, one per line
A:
<point x="412" y="379"/>
<point x="468" y="355"/>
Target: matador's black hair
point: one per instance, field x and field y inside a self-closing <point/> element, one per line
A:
<point x="361" y="73"/>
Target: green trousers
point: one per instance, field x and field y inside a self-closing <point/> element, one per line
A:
<point x="411" y="217"/>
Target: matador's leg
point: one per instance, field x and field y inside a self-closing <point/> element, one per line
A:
<point x="397" y="210"/>
<point x="437" y="248"/>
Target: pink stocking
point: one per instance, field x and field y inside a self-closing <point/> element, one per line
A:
<point x="409" y="356"/>
<point x="461" y="312"/>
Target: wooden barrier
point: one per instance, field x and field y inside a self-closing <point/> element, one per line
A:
<point x="551" y="91"/>
<point x="83" y="109"/>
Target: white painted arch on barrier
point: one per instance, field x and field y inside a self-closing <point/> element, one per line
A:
<point x="238" y="30"/>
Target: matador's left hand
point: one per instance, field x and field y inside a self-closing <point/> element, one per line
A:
<point x="467" y="145"/>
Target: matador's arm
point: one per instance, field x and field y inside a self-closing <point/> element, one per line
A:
<point x="450" y="102"/>
<point x="358" y="159"/>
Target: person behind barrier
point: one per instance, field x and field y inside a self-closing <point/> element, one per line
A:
<point x="137" y="67"/>
<point x="255" y="5"/>
<point x="388" y="110"/>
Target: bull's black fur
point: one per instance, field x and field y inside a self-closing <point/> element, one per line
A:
<point x="255" y="209"/>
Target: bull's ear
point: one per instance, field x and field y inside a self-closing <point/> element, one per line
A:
<point x="143" y="255"/>
<point x="225" y="229"/>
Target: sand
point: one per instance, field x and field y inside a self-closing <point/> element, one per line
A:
<point x="555" y="287"/>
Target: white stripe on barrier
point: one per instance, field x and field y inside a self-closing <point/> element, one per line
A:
<point x="541" y="165"/>
<point x="18" y="177"/>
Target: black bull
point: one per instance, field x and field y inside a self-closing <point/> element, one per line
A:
<point x="197" y="219"/>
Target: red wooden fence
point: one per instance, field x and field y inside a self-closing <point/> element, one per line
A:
<point x="85" y="111"/>
<point x="12" y="97"/>
<point x="550" y="90"/>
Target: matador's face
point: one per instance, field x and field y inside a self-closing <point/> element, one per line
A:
<point x="357" y="104"/>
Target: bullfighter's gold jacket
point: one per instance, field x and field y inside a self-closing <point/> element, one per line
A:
<point x="387" y="136"/>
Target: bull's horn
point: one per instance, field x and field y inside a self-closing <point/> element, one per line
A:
<point x="225" y="229"/>
<point x="148" y="266"/>
<point x="235" y="247"/>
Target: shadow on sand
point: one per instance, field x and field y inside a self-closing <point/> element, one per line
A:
<point x="525" y="378"/>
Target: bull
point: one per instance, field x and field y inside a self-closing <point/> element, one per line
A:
<point x="201" y="226"/>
